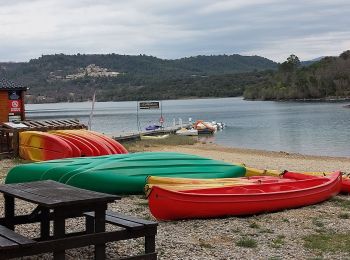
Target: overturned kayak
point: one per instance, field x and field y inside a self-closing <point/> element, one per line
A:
<point x="244" y="199"/>
<point x="43" y="146"/>
<point x="40" y="146"/>
<point x="123" y="173"/>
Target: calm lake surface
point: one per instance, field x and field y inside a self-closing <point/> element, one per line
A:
<point x="309" y="128"/>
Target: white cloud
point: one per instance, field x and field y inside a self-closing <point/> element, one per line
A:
<point x="172" y="29"/>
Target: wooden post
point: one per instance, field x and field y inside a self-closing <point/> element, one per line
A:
<point x="15" y="143"/>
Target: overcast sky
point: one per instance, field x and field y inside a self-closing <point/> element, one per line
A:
<point x="174" y="28"/>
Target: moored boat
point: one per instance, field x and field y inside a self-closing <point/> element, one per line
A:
<point x="204" y="127"/>
<point x="244" y="199"/>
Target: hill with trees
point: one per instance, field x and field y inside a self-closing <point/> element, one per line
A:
<point x="328" y="78"/>
<point x="62" y="78"/>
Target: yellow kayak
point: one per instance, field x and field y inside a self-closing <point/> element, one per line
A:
<point x="157" y="180"/>
<point x="182" y="187"/>
<point x="250" y="172"/>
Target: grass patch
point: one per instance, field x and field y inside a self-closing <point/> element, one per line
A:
<point x="247" y="242"/>
<point x="278" y="241"/>
<point x="266" y="230"/>
<point x="328" y="242"/>
<point x="254" y="225"/>
<point x="341" y="202"/>
<point x="344" y="215"/>
<point x="317" y="223"/>
<point x="143" y="203"/>
<point x="285" y="220"/>
<point x="172" y="140"/>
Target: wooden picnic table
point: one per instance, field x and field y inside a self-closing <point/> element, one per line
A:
<point x="57" y="202"/>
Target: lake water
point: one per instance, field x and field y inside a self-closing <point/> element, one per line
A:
<point x="309" y="128"/>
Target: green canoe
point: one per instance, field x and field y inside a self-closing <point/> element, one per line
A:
<point x="123" y="173"/>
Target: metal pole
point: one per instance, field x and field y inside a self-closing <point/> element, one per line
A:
<point x="137" y="116"/>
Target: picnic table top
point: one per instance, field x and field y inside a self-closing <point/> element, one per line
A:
<point x="53" y="194"/>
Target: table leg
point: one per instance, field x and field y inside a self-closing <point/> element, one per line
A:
<point x="59" y="230"/>
<point x="100" y="226"/>
<point x="150" y="242"/>
<point x="44" y="223"/>
<point x="9" y="211"/>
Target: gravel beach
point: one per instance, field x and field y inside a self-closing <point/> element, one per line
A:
<point x="316" y="232"/>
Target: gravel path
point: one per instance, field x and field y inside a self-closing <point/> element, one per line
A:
<point x="267" y="236"/>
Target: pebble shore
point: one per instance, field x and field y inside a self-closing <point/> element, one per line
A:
<point x="280" y="235"/>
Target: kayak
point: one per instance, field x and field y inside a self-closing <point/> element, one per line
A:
<point x="93" y="141"/>
<point x="157" y="180"/>
<point x="244" y="199"/>
<point x="42" y="146"/>
<point x="38" y="146"/>
<point x="345" y="188"/>
<point x="123" y="173"/>
<point x="193" y="184"/>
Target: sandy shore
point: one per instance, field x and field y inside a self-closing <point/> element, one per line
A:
<point x="280" y="235"/>
<point x="264" y="159"/>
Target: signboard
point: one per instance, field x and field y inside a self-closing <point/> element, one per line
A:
<point x="149" y="105"/>
<point x="15" y="106"/>
<point x="14" y="95"/>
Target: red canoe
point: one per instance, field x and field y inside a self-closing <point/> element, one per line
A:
<point x="243" y="200"/>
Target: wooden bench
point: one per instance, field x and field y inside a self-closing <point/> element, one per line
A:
<point x="10" y="241"/>
<point x="134" y="228"/>
<point x="57" y="202"/>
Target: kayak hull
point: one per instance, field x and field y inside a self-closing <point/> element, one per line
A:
<point x="124" y="173"/>
<point x="39" y="146"/>
<point x="241" y="200"/>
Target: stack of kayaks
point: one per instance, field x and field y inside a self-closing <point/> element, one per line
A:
<point x="123" y="173"/>
<point x="244" y="199"/>
<point x="43" y="146"/>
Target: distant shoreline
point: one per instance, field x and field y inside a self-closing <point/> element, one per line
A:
<point x="322" y="100"/>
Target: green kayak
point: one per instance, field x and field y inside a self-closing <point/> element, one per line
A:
<point x="123" y="173"/>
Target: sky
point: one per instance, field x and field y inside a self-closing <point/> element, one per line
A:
<point x="173" y="29"/>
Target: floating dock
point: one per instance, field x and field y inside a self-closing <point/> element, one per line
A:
<point x="137" y="136"/>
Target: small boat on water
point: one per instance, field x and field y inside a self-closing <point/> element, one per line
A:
<point x="152" y="127"/>
<point x="187" y="132"/>
<point x="204" y="127"/>
<point x="305" y="190"/>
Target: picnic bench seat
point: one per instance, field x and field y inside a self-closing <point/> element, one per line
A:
<point x="10" y="240"/>
<point x="57" y="202"/>
<point x="135" y="228"/>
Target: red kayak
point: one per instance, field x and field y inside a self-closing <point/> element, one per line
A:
<point x="243" y="200"/>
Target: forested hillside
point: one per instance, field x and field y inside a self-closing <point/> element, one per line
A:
<point x="328" y="78"/>
<point x="61" y="78"/>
